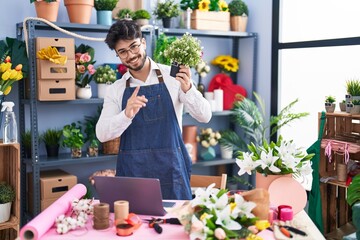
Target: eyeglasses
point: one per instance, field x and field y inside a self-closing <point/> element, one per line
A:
<point x="133" y="49"/>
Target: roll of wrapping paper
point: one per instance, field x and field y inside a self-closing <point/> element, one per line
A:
<point x="121" y="210"/>
<point x="46" y="219"/>
<point x="101" y="216"/>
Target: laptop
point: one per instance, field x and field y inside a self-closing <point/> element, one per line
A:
<point x="143" y="194"/>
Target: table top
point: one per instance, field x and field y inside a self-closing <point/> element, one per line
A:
<point x="301" y="221"/>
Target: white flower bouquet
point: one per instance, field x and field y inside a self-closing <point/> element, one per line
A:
<point x="202" y="69"/>
<point x="208" y="137"/>
<point x="279" y="158"/>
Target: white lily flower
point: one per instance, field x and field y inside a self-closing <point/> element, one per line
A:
<point x="202" y="197"/>
<point x="243" y="207"/>
<point x="247" y="164"/>
<point x="220" y="203"/>
<point x="306" y="168"/>
<point x="268" y="160"/>
<point x="224" y="219"/>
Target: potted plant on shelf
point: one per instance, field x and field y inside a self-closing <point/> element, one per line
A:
<point x="353" y="89"/>
<point x="26" y="141"/>
<point x="238" y="15"/>
<point x="162" y="43"/>
<point x="84" y="60"/>
<point x="142" y="17"/>
<point x="166" y="11"/>
<point x="342" y="106"/>
<point x="330" y="104"/>
<point x="208" y="139"/>
<point x="90" y="131"/>
<point x="356" y="107"/>
<point x="104" y="11"/>
<point x="51" y="138"/>
<point x="104" y="77"/>
<point x="353" y="199"/>
<point x="186" y="50"/>
<point x="125" y="13"/>
<point x="73" y="139"/>
<point x="47" y="9"/>
<point x="79" y="11"/>
<point x="7" y="195"/>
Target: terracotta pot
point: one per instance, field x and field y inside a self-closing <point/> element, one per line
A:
<point x="79" y="11"/>
<point x="264" y="182"/>
<point x="238" y="23"/>
<point x="48" y="11"/>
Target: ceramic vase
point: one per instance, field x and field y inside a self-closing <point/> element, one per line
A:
<point x="52" y="150"/>
<point x="226" y="152"/>
<point x="208" y="153"/>
<point x="5" y="210"/>
<point x="47" y="10"/>
<point x="330" y="107"/>
<point x="104" y="17"/>
<point x="84" y="93"/>
<point x="102" y="88"/>
<point x="79" y="11"/>
<point x="265" y="181"/>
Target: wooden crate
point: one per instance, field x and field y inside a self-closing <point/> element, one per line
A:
<point x="10" y="173"/>
<point x="219" y="21"/>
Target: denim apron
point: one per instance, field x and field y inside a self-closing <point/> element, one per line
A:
<point x="152" y="146"/>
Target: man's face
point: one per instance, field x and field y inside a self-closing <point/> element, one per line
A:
<point x="132" y="53"/>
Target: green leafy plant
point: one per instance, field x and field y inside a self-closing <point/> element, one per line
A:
<point x="7" y="193"/>
<point x="186" y="50"/>
<point x="105" y="74"/>
<point x="330" y="99"/>
<point x="26" y="139"/>
<point x="48" y="1"/>
<point x="167" y="9"/>
<point x="356" y="102"/>
<point x="250" y="119"/>
<point x="84" y="60"/>
<point x="238" y="8"/>
<point x="192" y="4"/>
<point x="353" y="191"/>
<point x="125" y="13"/>
<point x="353" y="87"/>
<point x="105" y="5"/>
<point x="141" y="14"/>
<point x="162" y="43"/>
<point x="51" y="137"/>
<point x="73" y="138"/>
<point x="90" y="128"/>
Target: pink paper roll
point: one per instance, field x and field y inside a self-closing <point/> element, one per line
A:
<point x="46" y="219"/>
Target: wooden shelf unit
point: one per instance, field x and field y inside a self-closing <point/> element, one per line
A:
<point x="10" y="173"/>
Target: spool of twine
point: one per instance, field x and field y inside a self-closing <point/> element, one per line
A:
<point x="121" y="210"/>
<point x="341" y="170"/>
<point x="101" y="216"/>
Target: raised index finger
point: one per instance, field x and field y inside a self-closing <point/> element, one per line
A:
<point x="136" y="91"/>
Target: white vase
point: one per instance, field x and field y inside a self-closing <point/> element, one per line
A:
<point x="102" y="89"/>
<point x="5" y="212"/>
<point x="84" y="93"/>
<point x="226" y="152"/>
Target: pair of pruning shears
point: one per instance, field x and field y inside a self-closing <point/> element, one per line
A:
<point x="154" y="223"/>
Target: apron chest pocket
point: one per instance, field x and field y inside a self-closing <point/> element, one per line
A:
<point x="154" y="109"/>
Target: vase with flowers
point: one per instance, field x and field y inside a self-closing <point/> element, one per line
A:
<point x="274" y="159"/>
<point x="216" y="214"/>
<point x="84" y="60"/>
<point x="47" y="9"/>
<point x="202" y="69"/>
<point x="186" y="51"/>
<point x="208" y="138"/>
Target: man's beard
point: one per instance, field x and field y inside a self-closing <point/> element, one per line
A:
<point x="143" y="60"/>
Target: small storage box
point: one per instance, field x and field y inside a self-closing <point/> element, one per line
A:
<point x="49" y="70"/>
<point x="56" y="90"/>
<point x="65" y="46"/>
<point x="217" y="21"/>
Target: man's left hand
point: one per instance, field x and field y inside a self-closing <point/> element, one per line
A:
<point x="184" y="77"/>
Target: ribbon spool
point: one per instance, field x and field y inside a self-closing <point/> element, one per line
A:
<point x="121" y="210"/>
<point x="127" y="226"/>
<point x="101" y="216"/>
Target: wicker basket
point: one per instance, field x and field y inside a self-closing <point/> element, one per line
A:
<point x="112" y="146"/>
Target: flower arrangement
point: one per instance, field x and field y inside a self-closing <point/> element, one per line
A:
<point x="105" y="74"/>
<point x="84" y="55"/>
<point x="282" y="157"/>
<point x="8" y="75"/>
<point x="186" y="50"/>
<point x="215" y="214"/>
<point x="202" y="69"/>
<point x="204" y="5"/>
<point x="226" y="63"/>
<point x="208" y="137"/>
<point x="81" y="209"/>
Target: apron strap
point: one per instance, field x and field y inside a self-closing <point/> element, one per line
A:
<point x="158" y="74"/>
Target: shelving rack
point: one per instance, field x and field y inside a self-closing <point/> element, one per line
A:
<point x="37" y="161"/>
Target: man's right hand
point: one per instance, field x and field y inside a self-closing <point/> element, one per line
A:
<point x="134" y="103"/>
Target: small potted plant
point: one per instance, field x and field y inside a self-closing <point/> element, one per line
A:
<point x="90" y="125"/>
<point x="208" y="138"/>
<point x="104" y="77"/>
<point x="73" y="139"/>
<point x="47" y="9"/>
<point x="353" y="89"/>
<point x="238" y="15"/>
<point x="84" y="60"/>
<point x="51" y="138"/>
<point x="330" y="104"/>
<point x="104" y="11"/>
<point x="7" y="195"/>
<point x="142" y="17"/>
<point x="356" y="107"/>
<point x="165" y="11"/>
<point x="125" y="13"/>
<point x="186" y="50"/>
<point x="26" y="141"/>
<point x="342" y="106"/>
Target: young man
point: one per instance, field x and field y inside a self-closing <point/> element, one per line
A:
<point x="145" y="108"/>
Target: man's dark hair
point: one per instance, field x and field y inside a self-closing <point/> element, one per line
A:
<point x="122" y="30"/>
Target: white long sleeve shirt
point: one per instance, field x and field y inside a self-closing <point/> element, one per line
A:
<point x="113" y="121"/>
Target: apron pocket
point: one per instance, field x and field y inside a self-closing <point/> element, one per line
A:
<point x="154" y="109"/>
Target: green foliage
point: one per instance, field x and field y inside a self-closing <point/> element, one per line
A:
<point x="48" y="1"/>
<point x="353" y="191"/>
<point x="162" y="43"/>
<point x="51" y="137"/>
<point x="250" y="119"/>
<point x="7" y="193"/>
<point x="186" y="50"/>
<point x="167" y="9"/>
<point x="192" y="4"/>
<point x="88" y="194"/>
<point x="141" y="14"/>
<point x="356" y="102"/>
<point x="73" y="138"/>
<point x="26" y="138"/>
<point x="238" y="8"/>
<point x="330" y="99"/>
<point x="17" y="51"/>
<point x="105" y="74"/>
<point x="105" y="5"/>
<point x="125" y="13"/>
<point x="90" y="128"/>
<point x="353" y="87"/>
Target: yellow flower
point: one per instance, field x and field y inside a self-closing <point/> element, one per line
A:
<point x="7" y="90"/>
<point x="223" y="6"/>
<point x="226" y="63"/>
<point x="232" y="206"/>
<point x="5" y="76"/>
<point x="51" y="54"/>
<point x="203" y="216"/>
<point x="231" y="66"/>
<point x="5" y="66"/>
<point x="204" y="5"/>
